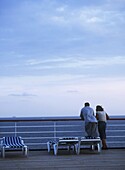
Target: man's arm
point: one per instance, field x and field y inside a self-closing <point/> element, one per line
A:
<point x="97" y="117"/>
<point x="81" y="115"/>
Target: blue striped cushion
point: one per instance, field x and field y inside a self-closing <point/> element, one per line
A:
<point x="12" y="141"/>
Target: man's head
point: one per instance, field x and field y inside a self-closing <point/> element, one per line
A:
<point x="87" y="104"/>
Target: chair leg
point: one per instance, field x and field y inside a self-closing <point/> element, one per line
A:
<point x="99" y="147"/>
<point x="48" y="146"/>
<point x="78" y="147"/>
<point x="92" y="147"/>
<point x="3" y="152"/>
<point x="25" y="150"/>
<point x="55" y="146"/>
<point x="69" y="148"/>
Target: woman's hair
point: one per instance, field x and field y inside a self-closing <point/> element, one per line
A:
<point x="99" y="108"/>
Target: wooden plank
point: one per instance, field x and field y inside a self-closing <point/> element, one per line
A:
<point x="112" y="159"/>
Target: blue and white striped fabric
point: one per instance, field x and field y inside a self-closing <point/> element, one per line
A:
<point x="13" y="142"/>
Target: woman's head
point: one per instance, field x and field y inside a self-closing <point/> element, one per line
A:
<point x="99" y="108"/>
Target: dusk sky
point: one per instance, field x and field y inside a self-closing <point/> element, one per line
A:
<point x="57" y="54"/>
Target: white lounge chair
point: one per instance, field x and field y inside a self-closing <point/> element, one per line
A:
<point x="69" y="142"/>
<point x="12" y="142"/>
<point x="95" y="143"/>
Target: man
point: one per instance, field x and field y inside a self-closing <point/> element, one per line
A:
<point x="91" y="127"/>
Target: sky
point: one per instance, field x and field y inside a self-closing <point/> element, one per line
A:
<point x="57" y="54"/>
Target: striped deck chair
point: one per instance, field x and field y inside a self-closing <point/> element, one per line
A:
<point x="13" y="142"/>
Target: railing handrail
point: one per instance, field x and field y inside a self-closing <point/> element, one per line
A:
<point x="20" y="119"/>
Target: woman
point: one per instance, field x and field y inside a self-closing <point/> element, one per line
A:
<point x="102" y="118"/>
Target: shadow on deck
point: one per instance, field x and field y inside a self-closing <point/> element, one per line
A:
<point x="112" y="159"/>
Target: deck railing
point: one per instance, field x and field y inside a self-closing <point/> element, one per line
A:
<point x="37" y="131"/>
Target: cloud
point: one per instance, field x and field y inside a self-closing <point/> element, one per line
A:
<point x="48" y="28"/>
<point x="44" y="61"/>
<point x="61" y="51"/>
<point x="75" y="62"/>
<point x="24" y="94"/>
<point x="61" y="8"/>
<point x="92" y="18"/>
<point x="37" y="17"/>
<point x="72" y="91"/>
<point x="74" y="65"/>
<point x="98" y="19"/>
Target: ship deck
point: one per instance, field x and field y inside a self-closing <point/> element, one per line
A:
<point x="40" y="159"/>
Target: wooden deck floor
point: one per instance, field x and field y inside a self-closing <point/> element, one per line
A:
<point x="112" y="159"/>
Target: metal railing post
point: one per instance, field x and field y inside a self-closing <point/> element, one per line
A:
<point x="55" y="131"/>
<point x="15" y="129"/>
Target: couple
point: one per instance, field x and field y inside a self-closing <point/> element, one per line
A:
<point x="95" y="124"/>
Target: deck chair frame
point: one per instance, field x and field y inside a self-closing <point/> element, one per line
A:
<point x="12" y="142"/>
<point x="70" y="143"/>
<point x="94" y="143"/>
